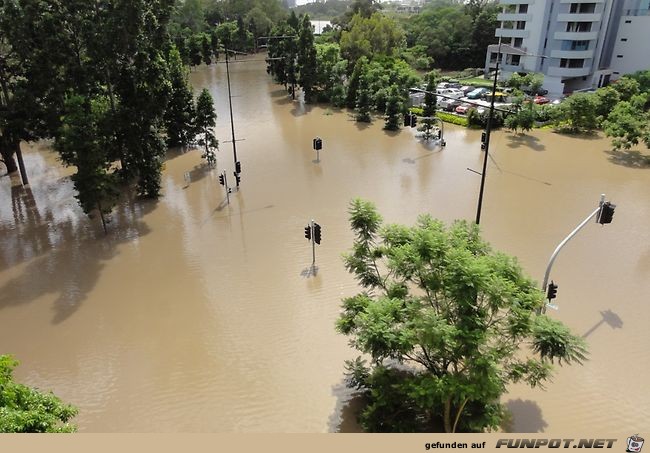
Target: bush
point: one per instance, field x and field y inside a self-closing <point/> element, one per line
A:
<point x="480" y="120"/>
<point x="451" y="118"/>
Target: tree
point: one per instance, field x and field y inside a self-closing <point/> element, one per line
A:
<point x="26" y="410"/>
<point x="394" y="109"/>
<point x="179" y="114"/>
<point x="523" y="119"/>
<point x="364" y="100"/>
<point x="306" y="59"/>
<point x="606" y="99"/>
<point x="206" y="49"/>
<point x="447" y="323"/>
<point x="195" y="47"/>
<point x="430" y="104"/>
<point x="355" y="78"/>
<point x="205" y="121"/>
<point x="369" y="37"/>
<point x="578" y="112"/>
<point x="81" y="143"/>
<point x="627" y="125"/>
<point x="330" y="74"/>
<point x="626" y="87"/>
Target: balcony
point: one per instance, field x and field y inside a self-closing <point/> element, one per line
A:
<point x="578" y="17"/>
<point x="514" y="17"/>
<point x="511" y="33"/>
<point x="583" y="54"/>
<point x="556" y="71"/>
<point x="575" y="35"/>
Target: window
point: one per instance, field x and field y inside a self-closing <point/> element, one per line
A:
<point x="521" y="24"/>
<point x="514" y="60"/>
<point x="518" y="42"/>
<point x="571" y="63"/>
<point x="623" y="39"/>
<point x="523" y="9"/>
<point x="628" y="21"/>
<point x="582" y="8"/>
<point x="619" y="56"/>
<point x="578" y="27"/>
<point x="575" y="45"/>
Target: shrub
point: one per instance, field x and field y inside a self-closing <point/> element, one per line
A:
<point x="451" y="118"/>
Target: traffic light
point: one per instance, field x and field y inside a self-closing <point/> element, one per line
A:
<point x="316" y="233"/>
<point x="318" y="143"/>
<point x="222" y="180"/>
<point x="237" y="177"/>
<point x="308" y="232"/>
<point x="483" y="137"/>
<point x="551" y="292"/>
<point x="439" y="134"/>
<point x="606" y="213"/>
<point x="238" y="167"/>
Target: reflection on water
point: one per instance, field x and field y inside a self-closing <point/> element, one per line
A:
<point x="195" y="315"/>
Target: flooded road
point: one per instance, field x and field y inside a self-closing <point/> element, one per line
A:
<point x="194" y="315"/>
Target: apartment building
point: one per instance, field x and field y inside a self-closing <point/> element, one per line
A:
<point x="576" y="44"/>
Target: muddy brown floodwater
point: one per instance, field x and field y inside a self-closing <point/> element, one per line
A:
<point x="193" y="315"/>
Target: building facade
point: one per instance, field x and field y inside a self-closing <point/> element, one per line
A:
<point x="576" y="44"/>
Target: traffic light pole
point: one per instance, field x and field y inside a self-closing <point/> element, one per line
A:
<point x="564" y="242"/>
<point x="313" y="243"/>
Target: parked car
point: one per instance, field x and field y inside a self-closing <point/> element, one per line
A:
<point x="455" y="85"/>
<point x="448" y="104"/>
<point x="466" y="89"/>
<point x="442" y="85"/>
<point x="541" y="100"/>
<point x="463" y="108"/>
<point x="450" y="92"/>
<point x="498" y="97"/>
<point x="477" y="93"/>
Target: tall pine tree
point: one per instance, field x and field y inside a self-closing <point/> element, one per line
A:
<point x="306" y="59"/>
<point x="205" y="120"/>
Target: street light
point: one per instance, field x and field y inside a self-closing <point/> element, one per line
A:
<point x="604" y="214"/>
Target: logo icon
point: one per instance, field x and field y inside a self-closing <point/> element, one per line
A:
<point x="634" y="444"/>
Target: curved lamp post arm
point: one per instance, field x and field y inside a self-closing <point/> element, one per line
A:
<point x="567" y="239"/>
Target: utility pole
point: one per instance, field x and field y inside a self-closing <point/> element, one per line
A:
<point x="232" y="122"/>
<point x="488" y="129"/>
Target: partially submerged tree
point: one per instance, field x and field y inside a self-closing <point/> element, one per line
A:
<point x="364" y="100"/>
<point x="205" y="121"/>
<point x="27" y="410"/>
<point x="82" y="143"/>
<point x="447" y="323"/>
<point x="430" y="104"/>
<point x="306" y="59"/>
<point x="394" y="109"/>
<point x="179" y="115"/>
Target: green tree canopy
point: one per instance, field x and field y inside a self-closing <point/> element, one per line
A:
<point x="369" y="37"/>
<point x="447" y="323"/>
<point x="27" y="410"/>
